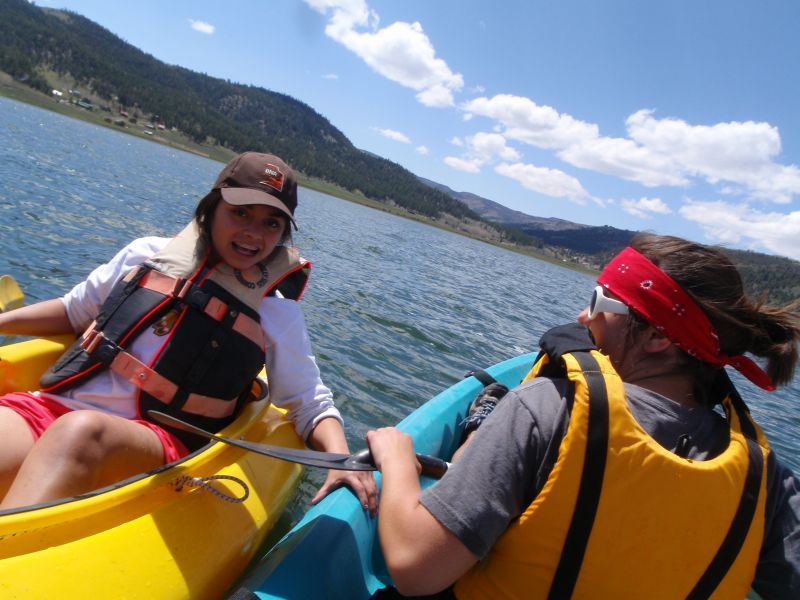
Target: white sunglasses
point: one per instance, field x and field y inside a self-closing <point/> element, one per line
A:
<point x="602" y="303"/>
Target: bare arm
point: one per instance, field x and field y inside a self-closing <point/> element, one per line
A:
<point x="423" y="556"/>
<point x="43" y="318"/>
<point x="328" y="436"/>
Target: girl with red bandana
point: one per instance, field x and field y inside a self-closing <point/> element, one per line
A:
<point x="632" y="470"/>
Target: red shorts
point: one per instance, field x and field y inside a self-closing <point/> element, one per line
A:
<point x="40" y="413"/>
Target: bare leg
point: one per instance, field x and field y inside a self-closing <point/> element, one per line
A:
<point x="17" y="442"/>
<point x="81" y="451"/>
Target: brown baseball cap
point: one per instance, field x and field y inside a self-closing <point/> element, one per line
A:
<point x="255" y="178"/>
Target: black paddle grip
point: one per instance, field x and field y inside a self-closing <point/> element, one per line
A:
<point x="431" y="466"/>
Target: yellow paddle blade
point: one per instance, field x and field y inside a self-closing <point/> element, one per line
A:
<point x="10" y="295"/>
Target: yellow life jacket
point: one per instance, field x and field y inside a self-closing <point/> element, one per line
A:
<point x="622" y="517"/>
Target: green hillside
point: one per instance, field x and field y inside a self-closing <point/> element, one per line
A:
<point x="42" y="46"/>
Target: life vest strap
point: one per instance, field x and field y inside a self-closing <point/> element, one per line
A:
<point x="143" y="377"/>
<point x="740" y="526"/>
<point x="164" y="284"/>
<point x="161" y="388"/>
<point x="186" y="291"/>
<point x="151" y="382"/>
<point x="250" y="329"/>
<point x="591" y="483"/>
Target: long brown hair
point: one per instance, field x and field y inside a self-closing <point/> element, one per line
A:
<point x="743" y="324"/>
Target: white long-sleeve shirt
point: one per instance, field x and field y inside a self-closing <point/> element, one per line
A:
<point x="294" y="377"/>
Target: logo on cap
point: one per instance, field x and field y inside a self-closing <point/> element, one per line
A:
<point x="274" y="177"/>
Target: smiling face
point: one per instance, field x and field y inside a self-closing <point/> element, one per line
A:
<point x="245" y="235"/>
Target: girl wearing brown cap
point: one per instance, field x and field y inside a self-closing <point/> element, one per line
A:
<point x="181" y="326"/>
<point x="626" y="465"/>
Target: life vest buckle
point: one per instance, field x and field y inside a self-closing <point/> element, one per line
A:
<point x="185" y="285"/>
<point x="90" y="340"/>
<point x="96" y="344"/>
<point x="205" y="302"/>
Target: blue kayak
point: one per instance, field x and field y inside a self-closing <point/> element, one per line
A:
<point x="334" y="552"/>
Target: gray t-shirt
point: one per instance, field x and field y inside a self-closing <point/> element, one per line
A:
<point x="508" y="461"/>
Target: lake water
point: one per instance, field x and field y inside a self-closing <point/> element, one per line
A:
<point x="396" y="310"/>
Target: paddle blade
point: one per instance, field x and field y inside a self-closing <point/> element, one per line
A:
<point x="11" y="296"/>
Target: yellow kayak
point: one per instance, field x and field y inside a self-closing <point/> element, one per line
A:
<point x="186" y="530"/>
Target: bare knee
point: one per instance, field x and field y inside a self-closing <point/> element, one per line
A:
<point x="67" y="459"/>
<point x="81" y="451"/>
<point x="108" y="446"/>
<point x="80" y="437"/>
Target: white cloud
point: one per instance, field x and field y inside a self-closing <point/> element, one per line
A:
<point x="346" y="14"/>
<point x="577" y="142"/>
<point x="394" y="135"/>
<point x="739" y="157"/>
<point x="624" y="158"/>
<point x="484" y="148"/>
<point x="330" y="76"/>
<point x="491" y="145"/>
<point x="202" y="26"/>
<point x="550" y="182"/>
<point x="423" y="150"/>
<point x="729" y="223"/>
<point x="736" y="152"/>
<point x="400" y="52"/>
<point x="436" y="96"/>
<point x="479" y="150"/>
<point x="463" y="164"/>
<point x="644" y="208"/>
<point x="526" y="121"/>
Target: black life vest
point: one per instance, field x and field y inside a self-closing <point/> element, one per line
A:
<point x="213" y="342"/>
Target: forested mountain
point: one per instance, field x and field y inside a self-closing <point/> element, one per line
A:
<point x="489" y="209"/>
<point x="776" y="277"/>
<point x="35" y="42"/>
<point x="40" y="46"/>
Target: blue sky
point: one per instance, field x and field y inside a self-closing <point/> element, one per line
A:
<point x="677" y="116"/>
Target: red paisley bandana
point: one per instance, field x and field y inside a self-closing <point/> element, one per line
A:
<point x="666" y="306"/>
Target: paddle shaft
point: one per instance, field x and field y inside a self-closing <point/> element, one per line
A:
<point x="360" y="461"/>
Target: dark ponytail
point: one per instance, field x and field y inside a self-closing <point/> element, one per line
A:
<point x="742" y="323"/>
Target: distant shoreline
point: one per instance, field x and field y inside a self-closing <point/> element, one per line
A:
<point x="14" y="90"/>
